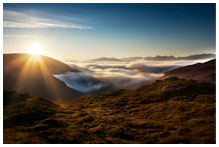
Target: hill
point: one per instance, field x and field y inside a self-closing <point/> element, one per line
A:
<point x="200" y="71"/>
<point x="167" y="111"/>
<point x="34" y="74"/>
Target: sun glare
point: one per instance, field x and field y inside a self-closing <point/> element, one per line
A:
<point x="35" y="49"/>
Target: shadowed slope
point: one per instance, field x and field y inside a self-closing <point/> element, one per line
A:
<point x="33" y="74"/>
<point x="200" y="71"/>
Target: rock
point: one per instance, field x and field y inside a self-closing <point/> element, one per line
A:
<point x="172" y="78"/>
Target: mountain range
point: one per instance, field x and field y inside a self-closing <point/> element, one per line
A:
<point x="105" y="59"/>
<point x="158" y="58"/>
<point x="172" y="58"/>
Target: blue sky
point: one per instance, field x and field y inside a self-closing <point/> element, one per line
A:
<point x="82" y="31"/>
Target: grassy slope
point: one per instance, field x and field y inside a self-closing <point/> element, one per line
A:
<point x="36" y="78"/>
<point x="200" y="71"/>
<point x="168" y="111"/>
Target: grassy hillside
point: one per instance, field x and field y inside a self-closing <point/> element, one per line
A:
<point x="33" y="74"/>
<point x="167" y="111"/>
<point x="200" y="71"/>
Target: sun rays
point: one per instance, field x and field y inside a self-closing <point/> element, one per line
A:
<point x="35" y="70"/>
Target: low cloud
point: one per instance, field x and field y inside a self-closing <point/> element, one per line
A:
<point x="151" y="69"/>
<point x="89" y="77"/>
<point x="81" y="81"/>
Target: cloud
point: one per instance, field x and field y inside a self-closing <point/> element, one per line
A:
<point x="16" y="19"/>
<point x="103" y="81"/>
<point x="21" y="36"/>
<point x="90" y="77"/>
<point x="135" y="66"/>
<point x="81" y="81"/>
<point x="151" y="69"/>
<point x="98" y="77"/>
<point x="102" y="67"/>
<point x="126" y="81"/>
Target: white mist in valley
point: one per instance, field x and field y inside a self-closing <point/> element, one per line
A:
<point x="95" y="76"/>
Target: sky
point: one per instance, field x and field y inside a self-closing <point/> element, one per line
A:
<point x="87" y="31"/>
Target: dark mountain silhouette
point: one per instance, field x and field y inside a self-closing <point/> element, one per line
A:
<point x="130" y="59"/>
<point x="34" y="74"/>
<point x="108" y="59"/>
<point x="167" y="111"/>
<point x="172" y="58"/>
<point x="198" y="56"/>
<point x="159" y="58"/>
<point x="200" y="71"/>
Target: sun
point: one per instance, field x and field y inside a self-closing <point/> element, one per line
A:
<point x="35" y="49"/>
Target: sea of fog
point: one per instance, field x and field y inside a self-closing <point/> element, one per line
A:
<point x="94" y="76"/>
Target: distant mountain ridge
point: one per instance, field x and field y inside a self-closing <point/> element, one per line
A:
<point x="24" y="73"/>
<point x="108" y="59"/>
<point x="200" y="71"/>
<point x="172" y="58"/>
<point x="158" y="58"/>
